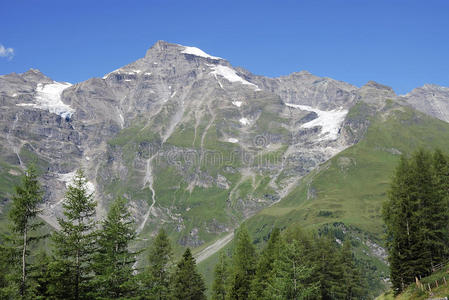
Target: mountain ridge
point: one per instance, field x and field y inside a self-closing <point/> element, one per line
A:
<point x="193" y="143"/>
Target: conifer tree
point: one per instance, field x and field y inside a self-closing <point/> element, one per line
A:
<point x="74" y="243"/>
<point x="416" y="217"/>
<point x="221" y="278"/>
<point x="292" y="277"/>
<point x="187" y="282"/>
<point x="113" y="262"/>
<point x="441" y="186"/>
<point x="265" y="265"/>
<point x="329" y="272"/>
<point x="353" y="286"/>
<point x="160" y="260"/>
<point x="399" y="220"/>
<point x="41" y="276"/>
<point x="25" y="208"/>
<point x="244" y="265"/>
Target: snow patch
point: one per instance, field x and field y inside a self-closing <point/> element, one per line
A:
<point x="237" y="103"/>
<point x="67" y="178"/>
<point x="14" y="95"/>
<point x="122" y="120"/>
<point x="172" y="95"/>
<point x="230" y="75"/>
<point x="148" y="73"/>
<point x="330" y="121"/>
<point x="48" y="97"/>
<point x="244" y="121"/>
<point x="198" y="52"/>
<point x="233" y="140"/>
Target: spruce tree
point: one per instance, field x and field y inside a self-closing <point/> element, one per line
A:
<point x="265" y="265"/>
<point x="244" y="265"/>
<point x="187" y="282"/>
<point x="399" y="218"/>
<point x="74" y="243"/>
<point x="353" y="286"/>
<point x="113" y="263"/>
<point x="329" y="272"/>
<point x="41" y="275"/>
<point x="221" y="278"/>
<point x="160" y="262"/>
<point x="25" y="208"/>
<point x="292" y="277"/>
<point x="416" y="217"/>
<point x="441" y="185"/>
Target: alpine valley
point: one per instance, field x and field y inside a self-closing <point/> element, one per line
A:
<point x="199" y="147"/>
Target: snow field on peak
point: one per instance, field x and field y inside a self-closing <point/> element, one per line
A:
<point x="198" y="52"/>
<point x="230" y="75"/>
<point x="330" y="121"/>
<point x="48" y="97"/>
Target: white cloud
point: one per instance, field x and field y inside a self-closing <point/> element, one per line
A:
<point x="6" y="52"/>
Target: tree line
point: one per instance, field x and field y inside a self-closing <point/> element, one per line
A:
<point x="416" y="216"/>
<point x="91" y="259"/>
<point x="87" y="260"/>
<point x="292" y="265"/>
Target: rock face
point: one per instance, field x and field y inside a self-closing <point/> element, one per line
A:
<point x="193" y="143"/>
<point x="430" y="99"/>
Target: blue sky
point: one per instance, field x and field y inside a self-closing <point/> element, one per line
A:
<point x="403" y="44"/>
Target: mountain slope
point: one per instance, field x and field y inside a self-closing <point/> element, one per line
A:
<point x="347" y="191"/>
<point x="199" y="146"/>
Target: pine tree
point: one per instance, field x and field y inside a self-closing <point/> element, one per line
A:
<point x="74" y="243"/>
<point x="416" y="217"/>
<point x="41" y="276"/>
<point x="441" y="185"/>
<point x="353" y="286"/>
<point x="113" y="263"/>
<point x="160" y="264"/>
<point x="293" y="276"/>
<point x="244" y="265"/>
<point x="329" y="272"/>
<point x="399" y="220"/>
<point x="265" y="265"/>
<point x="23" y="213"/>
<point x="221" y="278"/>
<point x="187" y="282"/>
<point x="10" y="272"/>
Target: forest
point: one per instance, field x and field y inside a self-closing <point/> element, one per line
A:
<point x="90" y="259"/>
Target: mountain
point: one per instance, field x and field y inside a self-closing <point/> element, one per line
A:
<point x="199" y="146"/>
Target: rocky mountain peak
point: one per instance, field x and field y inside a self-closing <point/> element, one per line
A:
<point x="376" y="85"/>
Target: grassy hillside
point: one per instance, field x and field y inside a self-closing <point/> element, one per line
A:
<point x="438" y="283"/>
<point x="350" y="188"/>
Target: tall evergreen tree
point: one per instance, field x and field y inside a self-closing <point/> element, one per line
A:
<point x="399" y="220"/>
<point x="74" y="243"/>
<point x="329" y="272"/>
<point x="265" y="265"/>
<point x="113" y="263"/>
<point x="292" y="277"/>
<point x="352" y="283"/>
<point x="160" y="260"/>
<point x="441" y="186"/>
<point x="416" y="217"/>
<point x="187" y="282"/>
<point x="25" y="208"/>
<point x="221" y="278"/>
<point x="244" y="265"/>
